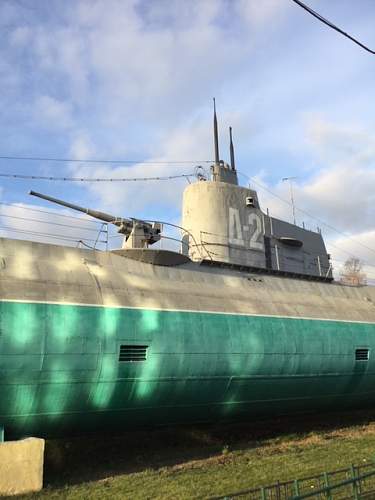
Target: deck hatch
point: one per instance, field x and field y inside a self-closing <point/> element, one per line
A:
<point x="361" y="354"/>
<point x="131" y="353"/>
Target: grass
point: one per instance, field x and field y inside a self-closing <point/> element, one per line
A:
<point x="203" y="461"/>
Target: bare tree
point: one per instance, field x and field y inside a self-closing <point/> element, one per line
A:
<point x="352" y="273"/>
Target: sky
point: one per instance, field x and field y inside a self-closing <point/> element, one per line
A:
<point x="133" y="80"/>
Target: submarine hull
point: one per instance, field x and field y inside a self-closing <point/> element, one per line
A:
<point x="94" y="340"/>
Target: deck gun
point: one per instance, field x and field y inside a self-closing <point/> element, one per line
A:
<point x="137" y="233"/>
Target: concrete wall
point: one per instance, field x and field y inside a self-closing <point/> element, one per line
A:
<point x="21" y="466"/>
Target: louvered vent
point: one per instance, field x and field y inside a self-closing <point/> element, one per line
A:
<point x="130" y="353"/>
<point x="361" y="354"/>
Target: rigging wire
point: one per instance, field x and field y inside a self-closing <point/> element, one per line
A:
<point x="31" y="219"/>
<point x="252" y="179"/>
<point x="80" y="160"/>
<point x="331" y="25"/>
<point x="96" y="179"/>
<point x="183" y="175"/>
<point x="329" y="226"/>
<point x="21" y="207"/>
<point x="76" y="240"/>
<point x="87" y="179"/>
<point x="367" y="270"/>
<point x="350" y="254"/>
<point x="151" y="178"/>
<point x="363" y="267"/>
<point x="48" y="235"/>
<point x="83" y="240"/>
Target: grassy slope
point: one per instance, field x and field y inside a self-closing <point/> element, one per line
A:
<point x="204" y="461"/>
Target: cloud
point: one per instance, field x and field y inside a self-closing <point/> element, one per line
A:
<point x="342" y="190"/>
<point x="188" y="146"/>
<point x="53" y="112"/>
<point x="337" y="143"/>
<point x="340" y="187"/>
<point x="323" y="204"/>
<point x="259" y="14"/>
<point x="63" y="55"/>
<point x="148" y="198"/>
<point x="20" y="37"/>
<point x="344" y="195"/>
<point x="82" y="146"/>
<point x="361" y="245"/>
<point x="126" y="60"/>
<point x="338" y="197"/>
<point x="134" y="80"/>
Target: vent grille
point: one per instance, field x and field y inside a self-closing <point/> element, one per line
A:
<point x="130" y="353"/>
<point x="361" y="354"/>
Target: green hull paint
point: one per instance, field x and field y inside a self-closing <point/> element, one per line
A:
<point x="60" y="373"/>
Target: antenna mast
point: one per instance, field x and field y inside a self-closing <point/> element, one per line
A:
<point x="216" y="137"/>
<point x="232" y="162"/>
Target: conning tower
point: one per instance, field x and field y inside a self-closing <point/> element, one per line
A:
<point x="225" y="225"/>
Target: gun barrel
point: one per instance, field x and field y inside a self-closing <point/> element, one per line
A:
<point x="93" y="213"/>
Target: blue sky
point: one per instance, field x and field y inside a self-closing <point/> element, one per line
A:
<point x="135" y="80"/>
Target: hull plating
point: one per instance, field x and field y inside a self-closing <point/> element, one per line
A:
<point x="60" y="370"/>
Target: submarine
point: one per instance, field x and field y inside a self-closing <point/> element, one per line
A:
<point x="245" y="322"/>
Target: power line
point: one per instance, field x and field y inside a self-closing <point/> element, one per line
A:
<point x="80" y="160"/>
<point x="331" y="25"/>
<point x="95" y="179"/>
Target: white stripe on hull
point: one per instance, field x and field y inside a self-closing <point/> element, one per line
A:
<point x="311" y="318"/>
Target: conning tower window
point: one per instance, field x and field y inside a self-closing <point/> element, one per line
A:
<point x="131" y="353"/>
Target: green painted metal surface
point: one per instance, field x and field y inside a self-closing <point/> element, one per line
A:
<point x="60" y="370"/>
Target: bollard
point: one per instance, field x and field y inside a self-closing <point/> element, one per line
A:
<point x="21" y="466"/>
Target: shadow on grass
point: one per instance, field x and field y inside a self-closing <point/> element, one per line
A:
<point x="82" y="459"/>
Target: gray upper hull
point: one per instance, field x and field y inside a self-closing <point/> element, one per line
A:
<point x="42" y="272"/>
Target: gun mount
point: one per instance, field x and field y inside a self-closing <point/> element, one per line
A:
<point x="137" y="233"/>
